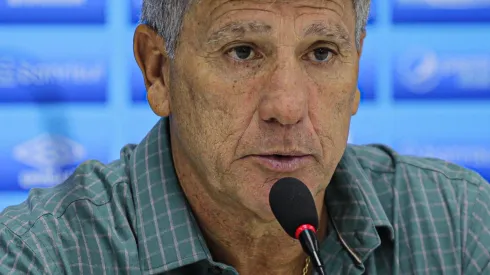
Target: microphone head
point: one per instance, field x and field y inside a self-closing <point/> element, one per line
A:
<point x="293" y="205"/>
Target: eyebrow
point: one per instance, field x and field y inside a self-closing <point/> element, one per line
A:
<point x="335" y="31"/>
<point x="238" y="30"/>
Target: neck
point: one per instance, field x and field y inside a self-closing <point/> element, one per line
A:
<point x="255" y="248"/>
<point x="238" y="238"/>
<point x="250" y="245"/>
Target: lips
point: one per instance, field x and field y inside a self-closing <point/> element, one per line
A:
<point x="283" y="163"/>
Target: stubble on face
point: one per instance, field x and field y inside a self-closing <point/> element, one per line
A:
<point x="225" y="110"/>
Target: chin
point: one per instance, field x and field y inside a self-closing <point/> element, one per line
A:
<point x="253" y="186"/>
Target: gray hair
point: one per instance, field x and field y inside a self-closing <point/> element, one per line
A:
<point x="166" y="18"/>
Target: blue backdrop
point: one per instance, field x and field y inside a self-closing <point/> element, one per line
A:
<point x="67" y="71"/>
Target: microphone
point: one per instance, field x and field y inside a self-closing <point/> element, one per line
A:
<point x="295" y="210"/>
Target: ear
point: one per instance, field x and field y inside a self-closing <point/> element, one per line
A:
<point x="357" y="96"/>
<point x="356" y="102"/>
<point x="151" y="55"/>
<point x="361" y="43"/>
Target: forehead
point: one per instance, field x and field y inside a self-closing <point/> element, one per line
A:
<point x="214" y="20"/>
<point x="211" y="10"/>
<point x="214" y="3"/>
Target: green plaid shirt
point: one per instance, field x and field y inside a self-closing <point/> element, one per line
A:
<point x="390" y="214"/>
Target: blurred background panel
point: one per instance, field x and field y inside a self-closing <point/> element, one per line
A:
<point x="70" y="89"/>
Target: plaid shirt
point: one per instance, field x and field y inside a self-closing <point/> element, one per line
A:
<point x="390" y="214"/>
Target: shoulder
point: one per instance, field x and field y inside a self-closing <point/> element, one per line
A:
<point x="58" y="228"/>
<point x="92" y="183"/>
<point x="408" y="184"/>
<point x="383" y="161"/>
<point x="433" y="205"/>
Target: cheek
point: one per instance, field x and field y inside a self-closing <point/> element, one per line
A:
<point x="229" y="107"/>
<point x="217" y="111"/>
<point x="330" y="106"/>
<point x="335" y="88"/>
<point x="222" y="94"/>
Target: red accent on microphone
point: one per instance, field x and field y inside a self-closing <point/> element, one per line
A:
<point x="303" y="228"/>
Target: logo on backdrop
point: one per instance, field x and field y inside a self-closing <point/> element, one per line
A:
<point x="472" y="155"/>
<point x="52" y="11"/>
<point x="41" y="149"/>
<point x="425" y="74"/>
<point x="28" y="79"/>
<point x="51" y="159"/>
<point x="441" y="10"/>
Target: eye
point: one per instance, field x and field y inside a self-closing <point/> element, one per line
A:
<point x="320" y="55"/>
<point x="242" y="53"/>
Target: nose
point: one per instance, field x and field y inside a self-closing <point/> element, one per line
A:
<point x="285" y="96"/>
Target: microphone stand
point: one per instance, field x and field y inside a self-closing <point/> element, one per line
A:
<point x="310" y="245"/>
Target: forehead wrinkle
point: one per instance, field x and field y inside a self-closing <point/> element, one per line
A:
<point x="237" y="30"/>
<point x="325" y="5"/>
<point x="319" y="4"/>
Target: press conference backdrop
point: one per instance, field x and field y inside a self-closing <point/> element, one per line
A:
<point x="70" y="89"/>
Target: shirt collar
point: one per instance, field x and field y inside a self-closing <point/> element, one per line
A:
<point x="355" y="209"/>
<point x="167" y="233"/>
<point x="168" y="236"/>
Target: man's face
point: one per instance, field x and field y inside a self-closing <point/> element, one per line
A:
<point x="262" y="90"/>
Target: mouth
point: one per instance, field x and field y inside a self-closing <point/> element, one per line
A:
<point x="283" y="163"/>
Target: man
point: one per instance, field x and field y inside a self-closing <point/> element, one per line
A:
<point x="250" y="92"/>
